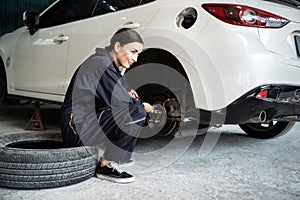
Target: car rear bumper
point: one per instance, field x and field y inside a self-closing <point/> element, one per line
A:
<point x="262" y="104"/>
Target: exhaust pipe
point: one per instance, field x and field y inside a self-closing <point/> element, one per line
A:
<point x="262" y="117"/>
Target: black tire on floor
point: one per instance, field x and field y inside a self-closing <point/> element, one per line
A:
<point x="36" y="160"/>
<point x="267" y="130"/>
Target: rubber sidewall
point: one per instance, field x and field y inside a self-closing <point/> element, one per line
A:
<point x="43" y="168"/>
<point x="279" y="129"/>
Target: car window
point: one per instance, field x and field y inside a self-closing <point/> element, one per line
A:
<point x="66" y="11"/>
<point x="103" y="7"/>
<point x="123" y="4"/>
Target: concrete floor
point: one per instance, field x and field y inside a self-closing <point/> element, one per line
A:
<point x="236" y="167"/>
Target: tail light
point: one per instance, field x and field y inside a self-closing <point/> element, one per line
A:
<point x="271" y="93"/>
<point x="262" y="94"/>
<point x="245" y="16"/>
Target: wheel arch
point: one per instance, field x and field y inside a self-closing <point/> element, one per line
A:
<point x="162" y="56"/>
<point x="190" y="73"/>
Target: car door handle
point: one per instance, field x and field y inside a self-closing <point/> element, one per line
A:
<point x="131" y="25"/>
<point x="60" y="39"/>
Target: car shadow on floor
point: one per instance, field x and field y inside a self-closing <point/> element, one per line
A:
<point x="18" y="115"/>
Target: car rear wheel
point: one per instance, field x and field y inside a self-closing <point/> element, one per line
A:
<point x="267" y="130"/>
<point x="160" y="80"/>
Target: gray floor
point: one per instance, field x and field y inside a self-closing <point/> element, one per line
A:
<point x="213" y="166"/>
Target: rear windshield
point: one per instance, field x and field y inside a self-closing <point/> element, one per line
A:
<point x="290" y="3"/>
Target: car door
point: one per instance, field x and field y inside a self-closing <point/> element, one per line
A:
<point x="40" y="59"/>
<point x="107" y="18"/>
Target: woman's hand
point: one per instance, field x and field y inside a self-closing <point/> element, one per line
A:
<point x="133" y="94"/>
<point x="148" y="107"/>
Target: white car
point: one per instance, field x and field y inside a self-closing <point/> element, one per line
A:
<point x="241" y="58"/>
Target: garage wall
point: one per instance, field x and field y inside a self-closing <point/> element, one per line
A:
<point x="11" y="12"/>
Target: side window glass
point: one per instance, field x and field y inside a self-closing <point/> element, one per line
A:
<point x="66" y="11"/>
<point x="103" y="7"/>
<point x="123" y="4"/>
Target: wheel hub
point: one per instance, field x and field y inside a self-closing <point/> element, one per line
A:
<point x="165" y="117"/>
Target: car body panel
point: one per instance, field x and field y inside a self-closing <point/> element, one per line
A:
<point x="222" y="61"/>
<point x="86" y="36"/>
<point x="242" y="64"/>
<point x="43" y="73"/>
<point x="282" y="43"/>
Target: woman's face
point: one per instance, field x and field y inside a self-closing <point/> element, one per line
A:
<point x="127" y="54"/>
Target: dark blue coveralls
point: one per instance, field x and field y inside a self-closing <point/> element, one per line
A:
<point x="97" y="108"/>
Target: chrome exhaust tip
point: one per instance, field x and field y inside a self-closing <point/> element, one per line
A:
<point x="262" y="117"/>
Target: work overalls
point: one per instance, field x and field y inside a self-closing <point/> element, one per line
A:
<point x="97" y="108"/>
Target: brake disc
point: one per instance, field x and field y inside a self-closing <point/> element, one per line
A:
<point x="157" y="118"/>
